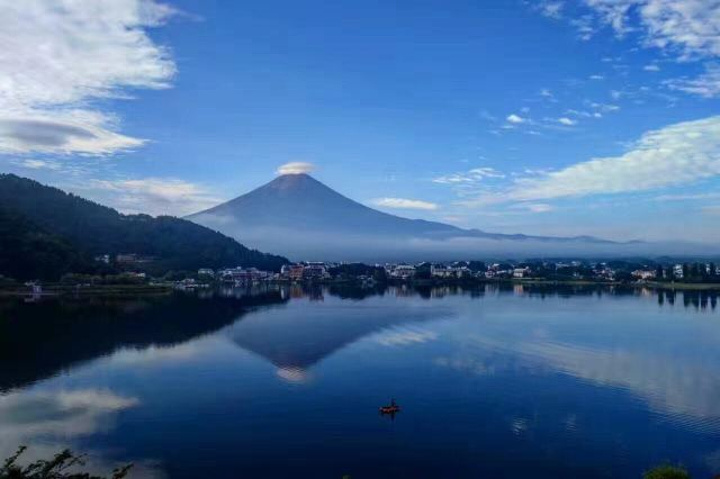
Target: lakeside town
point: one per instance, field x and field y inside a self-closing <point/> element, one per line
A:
<point x="134" y="274"/>
<point x="618" y="271"/>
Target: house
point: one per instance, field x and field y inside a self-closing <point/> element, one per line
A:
<point x="442" y="271"/>
<point x="314" y="270"/>
<point x="292" y="272"/>
<point x="401" y="271"/>
<point x="206" y="272"/>
<point x="643" y="274"/>
<point x="521" y="272"/>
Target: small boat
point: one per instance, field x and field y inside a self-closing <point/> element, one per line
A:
<point x="392" y="409"/>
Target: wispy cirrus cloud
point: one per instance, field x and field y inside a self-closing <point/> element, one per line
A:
<point x="706" y="85"/>
<point x="60" y="60"/>
<point x="474" y="175"/>
<point x="405" y="204"/>
<point x="687" y="30"/>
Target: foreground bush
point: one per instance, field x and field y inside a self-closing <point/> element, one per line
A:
<point x="667" y="472"/>
<point x="63" y="466"/>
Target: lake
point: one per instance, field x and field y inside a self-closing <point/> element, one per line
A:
<point x="280" y="382"/>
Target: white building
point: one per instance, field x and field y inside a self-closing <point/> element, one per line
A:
<point x="521" y="272"/>
<point x="678" y="271"/>
<point x="401" y="271"/>
<point x="456" y="272"/>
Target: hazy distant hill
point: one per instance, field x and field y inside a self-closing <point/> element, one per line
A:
<point x="300" y="217"/>
<point x="91" y="229"/>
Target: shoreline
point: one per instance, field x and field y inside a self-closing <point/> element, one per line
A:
<point x="109" y="291"/>
<point x="123" y="291"/>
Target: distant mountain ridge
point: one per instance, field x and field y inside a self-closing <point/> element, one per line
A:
<point x="77" y="228"/>
<point x="301" y="217"/>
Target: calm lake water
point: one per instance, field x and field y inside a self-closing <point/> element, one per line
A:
<point x="279" y="383"/>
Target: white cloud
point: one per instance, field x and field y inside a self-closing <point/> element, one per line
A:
<point x="678" y="154"/>
<point x="597" y="77"/>
<point x="706" y="85"/>
<point x="585" y="26"/>
<point x="405" y="204"/>
<point x="551" y="9"/>
<point x="690" y="28"/>
<point x="688" y="197"/>
<point x="538" y="207"/>
<point x="59" y="58"/>
<point x="567" y="121"/>
<point x="533" y="207"/>
<point x="295" y="168"/>
<point x="515" y="119"/>
<point x="33" y="164"/>
<point x="472" y="176"/>
<point x="155" y="196"/>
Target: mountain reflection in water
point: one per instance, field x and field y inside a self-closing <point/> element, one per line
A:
<point x="495" y="381"/>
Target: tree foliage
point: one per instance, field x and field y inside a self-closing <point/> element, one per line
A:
<point x="29" y="252"/>
<point x="63" y="465"/>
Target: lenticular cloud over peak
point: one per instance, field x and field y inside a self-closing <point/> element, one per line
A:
<point x="295" y="168"/>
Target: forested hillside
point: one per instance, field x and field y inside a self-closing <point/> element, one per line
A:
<point x="64" y="223"/>
<point x="28" y="252"/>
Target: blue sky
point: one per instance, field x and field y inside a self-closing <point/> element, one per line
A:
<point x="557" y="117"/>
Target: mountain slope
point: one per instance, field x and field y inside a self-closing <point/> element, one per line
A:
<point x="302" y="218"/>
<point x="299" y="200"/>
<point x="95" y="229"/>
